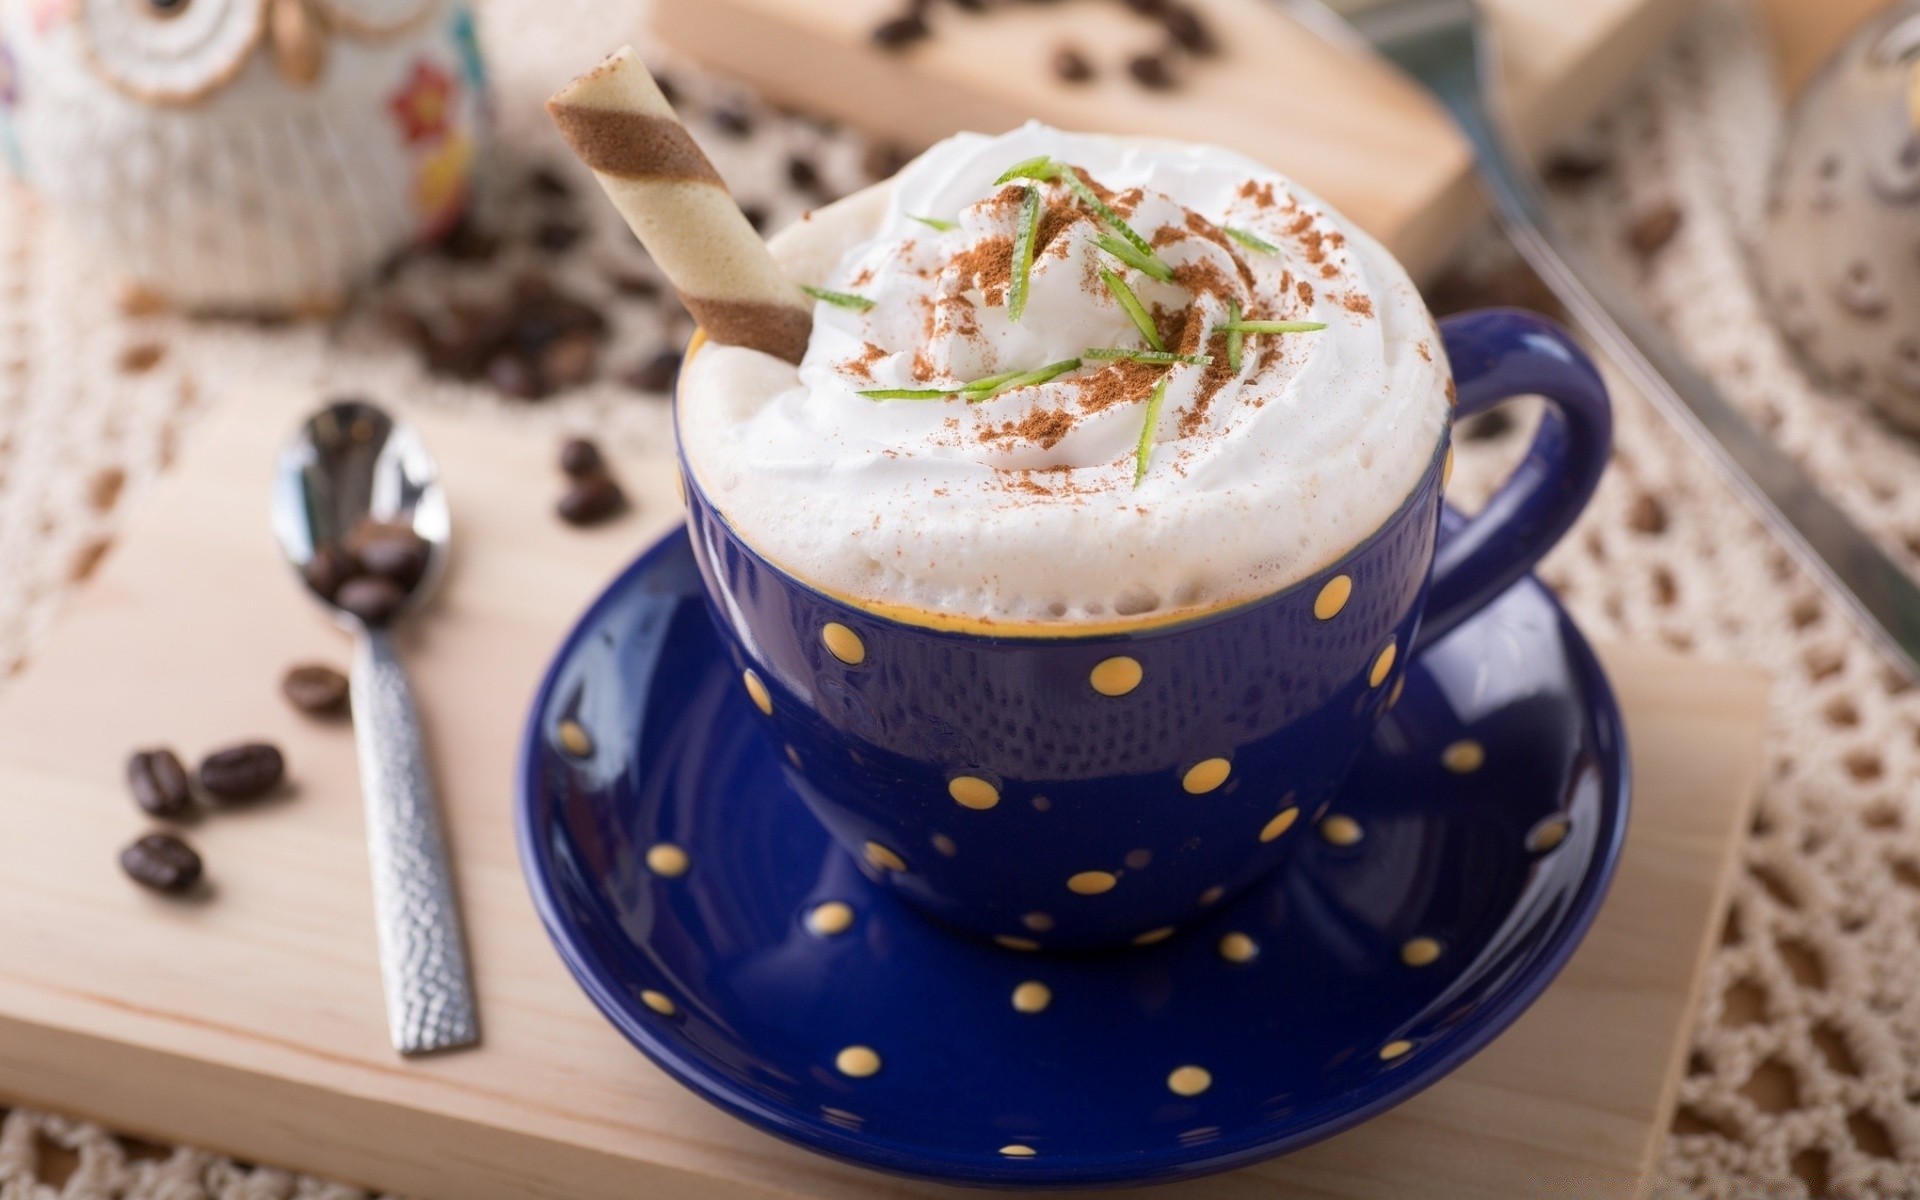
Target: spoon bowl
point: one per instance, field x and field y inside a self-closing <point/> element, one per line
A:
<point x="348" y="462"/>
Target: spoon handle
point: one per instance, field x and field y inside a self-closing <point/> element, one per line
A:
<point x="423" y="957"/>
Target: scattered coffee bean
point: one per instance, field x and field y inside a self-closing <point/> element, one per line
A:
<point x="803" y="173"/>
<point x="883" y="160"/>
<point x="1184" y="26"/>
<point x="973" y="6"/>
<point x="508" y="345"/>
<point x="159" y="784"/>
<point x="1147" y="8"/>
<point x="1572" y="166"/>
<point x="390" y="549"/>
<point x="657" y="374"/>
<point x="591" y="500"/>
<point x="581" y="457"/>
<point x="556" y="237"/>
<point x="329" y="567"/>
<point x="733" y="122"/>
<point x="141" y="357"/>
<point x="467" y="242"/>
<point x="639" y="287"/>
<point x="547" y="181"/>
<point x="162" y="862"/>
<point x="1654" y="228"/>
<point x="244" y="772"/>
<point x="1151" y="71"/>
<point x="316" y="690"/>
<point x="373" y="599"/>
<point x="1071" y="65"/>
<point x="1648" y="514"/>
<point x="900" y="32"/>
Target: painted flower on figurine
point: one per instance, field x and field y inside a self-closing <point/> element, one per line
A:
<point x="440" y="185"/>
<point x="423" y="104"/>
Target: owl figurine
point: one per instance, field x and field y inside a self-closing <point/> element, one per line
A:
<point x="243" y="156"/>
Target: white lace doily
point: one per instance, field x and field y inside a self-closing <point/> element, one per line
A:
<point x="1806" y="1061"/>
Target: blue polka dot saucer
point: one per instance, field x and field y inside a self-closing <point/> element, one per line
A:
<point x="711" y="919"/>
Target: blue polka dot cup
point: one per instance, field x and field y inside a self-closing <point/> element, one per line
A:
<point x="1074" y="790"/>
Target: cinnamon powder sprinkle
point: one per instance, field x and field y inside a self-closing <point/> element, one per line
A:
<point x="1260" y="192"/>
<point x="988" y="268"/>
<point x="1043" y="426"/>
<point x="863" y="366"/>
<point x="1360" y="306"/>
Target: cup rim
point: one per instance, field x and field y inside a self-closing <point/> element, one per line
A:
<point x="927" y="620"/>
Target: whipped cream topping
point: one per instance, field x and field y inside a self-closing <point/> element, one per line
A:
<point x="1025" y="506"/>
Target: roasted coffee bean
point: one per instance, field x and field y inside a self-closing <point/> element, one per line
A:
<point x="657" y="374"/>
<point x="581" y="457"/>
<point x="570" y="360"/>
<point x="591" y="500"/>
<point x="1147" y="8"/>
<point x="1574" y="165"/>
<point x="329" y="567"/>
<point x="1654" y="229"/>
<point x="803" y="173"/>
<point x="159" y="783"/>
<point x="733" y="121"/>
<point x="390" y="549"/>
<point x="244" y="772"/>
<point x="973" y="6"/>
<point x="883" y="160"/>
<point x="1151" y="71"/>
<point x="375" y="599"/>
<point x="467" y="242"/>
<point x="900" y="32"/>
<point x="547" y="181"/>
<point x="162" y="862"/>
<point x="316" y="690"/>
<point x="640" y="287"/>
<point x="1184" y="26"/>
<point x="1071" y="65"/>
<point x="556" y="237"/>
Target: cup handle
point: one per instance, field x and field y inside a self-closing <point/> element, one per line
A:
<point x="1497" y="355"/>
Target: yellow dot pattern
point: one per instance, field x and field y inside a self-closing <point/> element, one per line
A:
<point x="1420" y="952"/>
<point x="1212" y="895"/>
<point x="1463" y="757"/>
<point x="971" y="791"/>
<point x="1383" y="665"/>
<point x="1016" y="1150"/>
<point x="1152" y="936"/>
<point x="658" y="1002"/>
<point x="945" y="845"/>
<point x="1116" y="676"/>
<point x="1139" y="860"/>
<point x="1092" y="883"/>
<point x="1206" y="775"/>
<point x="574" y="739"/>
<point x="1039" y="922"/>
<point x="883" y="859"/>
<point x="1024" y="945"/>
<point x="857" y="1062"/>
<point x="1547" y="834"/>
<point x="1239" y="948"/>
<point x="757" y="689"/>
<point x="830" y="918"/>
<point x="667" y="860"/>
<point x="1189" y="1080"/>
<point x="1333" y="597"/>
<point x="1032" y="997"/>
<point x="844" y="644"/>
<point x="1394" y="1049"/>
<point x="1341" y="830"/>
<point x="1281" y="822"/>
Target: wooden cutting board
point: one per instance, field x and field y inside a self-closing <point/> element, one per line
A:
<point x="1343" y="123"/>
<point x="251" y="1021"/>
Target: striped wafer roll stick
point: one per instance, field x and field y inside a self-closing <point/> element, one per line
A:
<point x="619" y="124"/>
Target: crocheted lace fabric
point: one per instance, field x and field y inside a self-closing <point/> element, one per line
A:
<point x="1806" y="1059"/>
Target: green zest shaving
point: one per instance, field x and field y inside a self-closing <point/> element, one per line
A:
<point x="1046" y="374"/>
<point x="1236" y="338"/>
<point x="1124" y="251"/>
<point x="1142" y="320"/>
<point x="910" y="393"/>
<point x="1272" y="326"/>
<point x="1144" y="451"/>
<point x="936" y="223"/>
<point x="1149" y="356"/>
<point x="1249" y="241"/>
<point x="1023" y="254"/>
<point x="1045" y="170"/>
<point x="841" y="299"/>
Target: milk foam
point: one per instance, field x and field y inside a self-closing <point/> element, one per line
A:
<point x="1024" y="507"/>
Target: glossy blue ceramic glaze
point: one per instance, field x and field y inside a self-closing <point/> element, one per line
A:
<point x="1490" y="803"/>
<point x="990" y="779"/>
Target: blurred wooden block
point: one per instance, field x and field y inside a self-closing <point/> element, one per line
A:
<point x="251" y="1021"/>
<point x="1346" y="125"/>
